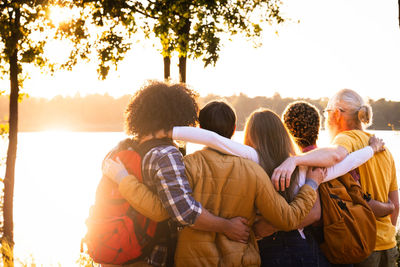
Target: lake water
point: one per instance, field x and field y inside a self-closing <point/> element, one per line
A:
<point x="55" y="183"/>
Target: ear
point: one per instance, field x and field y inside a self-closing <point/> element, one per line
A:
<point x="337" y="115"/>
<point x="234" y="129"/>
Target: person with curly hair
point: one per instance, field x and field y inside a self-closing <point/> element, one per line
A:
<point x="153" y="111"/>
<point x="302" y="119"/>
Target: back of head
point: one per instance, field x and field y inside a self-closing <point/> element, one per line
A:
<point x="268" y="135"/>
<point x="302" y="119"/>
<point x="359" y="112"/>
<point x="219" y="117"/>
<point x="160" y="106"/>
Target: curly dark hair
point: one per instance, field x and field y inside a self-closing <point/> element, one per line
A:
<point x="302" y="120"/>
<point x="160" y="106"/>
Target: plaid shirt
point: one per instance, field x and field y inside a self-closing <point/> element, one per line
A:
<point x="163" y="171"/>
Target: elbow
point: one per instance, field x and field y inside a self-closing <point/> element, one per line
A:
<point x="161" y="217"/>
<point x="339" y="155"/>
<point x="189" y="219"/>
<point x="288" y="225"/>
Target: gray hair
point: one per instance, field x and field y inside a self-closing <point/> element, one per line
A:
<point x="351" y="101"/>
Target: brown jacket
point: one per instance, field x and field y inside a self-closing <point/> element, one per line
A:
<point x="227" y="186"/>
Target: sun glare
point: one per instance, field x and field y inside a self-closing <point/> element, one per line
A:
<point x="57" y="130"/>
<point x="60" y="15"/>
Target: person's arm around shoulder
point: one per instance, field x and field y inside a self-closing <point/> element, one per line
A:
<point x="355" y="159"/>
<point x="215" y="141"/>
<point x="320" y="157"/>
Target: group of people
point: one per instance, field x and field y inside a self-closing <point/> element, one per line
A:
<point x="256" y="203"/>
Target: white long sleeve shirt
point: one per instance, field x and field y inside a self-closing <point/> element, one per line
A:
<point x="228" y="146"/>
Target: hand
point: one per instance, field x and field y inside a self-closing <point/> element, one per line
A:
<point x="237" y="229"/>
<point x="316" y="174"/>
<point x="115" y="170"/>
<point x="377" y="144"/>
<point x="262" y="229"/>
<point x="282" y="174"/>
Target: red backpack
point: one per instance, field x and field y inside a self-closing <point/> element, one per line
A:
<point x="117" y="234"/>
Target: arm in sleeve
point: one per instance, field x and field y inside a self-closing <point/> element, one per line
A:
<point x="322" y="157"/>
<point x="142" y="199"/>
<point x="174" y="190"/>
<point x="394" y="194"/>
<point x="274" y="208"/>
<point x="215" y="141"/>
<point x="350" y="162"/>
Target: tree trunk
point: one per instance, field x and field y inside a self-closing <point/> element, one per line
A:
<point x="167" y="68"/>
<point x="8" y="204"/>
<point x="8" y="216"/>
<point x="182" y="69"/>
<point x="183" y="44"/>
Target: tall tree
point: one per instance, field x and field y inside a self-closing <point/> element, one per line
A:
<point x="25" y="28"/>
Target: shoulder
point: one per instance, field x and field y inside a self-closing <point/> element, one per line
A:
<point x="160" y="153"/>
<point x="163" y="150"/>
<point x="210" y="156"/>
<point x="352" y="140"/>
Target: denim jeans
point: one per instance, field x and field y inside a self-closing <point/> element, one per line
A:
<point x="290" y="249"/>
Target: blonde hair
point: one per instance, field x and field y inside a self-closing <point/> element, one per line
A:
<point x="350" y="101"/>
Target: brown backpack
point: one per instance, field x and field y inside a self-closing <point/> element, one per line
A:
<point x="349" y="225"/>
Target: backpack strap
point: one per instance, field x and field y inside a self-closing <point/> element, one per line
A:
<point x="355" y="174"/>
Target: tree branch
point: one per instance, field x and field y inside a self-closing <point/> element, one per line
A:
<point x="140" y="11"/>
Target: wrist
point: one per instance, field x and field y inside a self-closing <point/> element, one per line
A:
<point x="311" y="182"/>
<point x="120" y="176"/>
<point x="224" y="226"/>
<point x="296" y="160"/>
<point x="374" y="148"/>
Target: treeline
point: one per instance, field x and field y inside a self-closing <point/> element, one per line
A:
<point x="105" y="113"/>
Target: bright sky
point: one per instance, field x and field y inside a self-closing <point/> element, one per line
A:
<point x="337" y="44"/>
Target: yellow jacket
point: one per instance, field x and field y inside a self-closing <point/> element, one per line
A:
<point x="227" y="186"/>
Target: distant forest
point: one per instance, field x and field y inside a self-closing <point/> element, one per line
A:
<point x="105" y="113"/>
